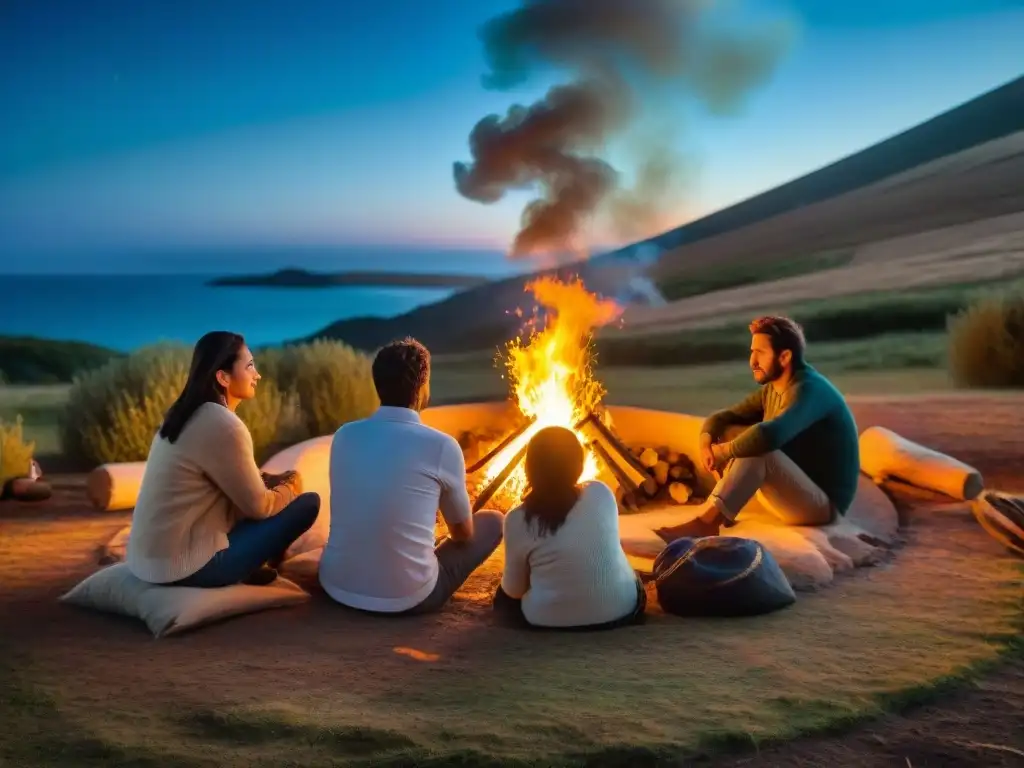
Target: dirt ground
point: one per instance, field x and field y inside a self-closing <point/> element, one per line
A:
<point x="974" y="726"/>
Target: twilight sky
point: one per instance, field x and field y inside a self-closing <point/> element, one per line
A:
<point x="131" y="127"/>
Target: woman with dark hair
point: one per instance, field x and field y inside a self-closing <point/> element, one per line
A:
<point x="564" y="565"/>
<point x="206" y="516"/>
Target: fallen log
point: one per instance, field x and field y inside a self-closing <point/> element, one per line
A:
<point x="115" y="487"/>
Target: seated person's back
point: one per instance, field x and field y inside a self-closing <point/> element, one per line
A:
<point x="389" y="475"/>
<point x="579" y="574"/>
<point x="563" y="558"/>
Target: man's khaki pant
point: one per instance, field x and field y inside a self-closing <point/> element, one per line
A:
<point x="779" y="484"/>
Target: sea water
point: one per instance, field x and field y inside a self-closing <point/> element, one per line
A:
<point x="124" y="312"/>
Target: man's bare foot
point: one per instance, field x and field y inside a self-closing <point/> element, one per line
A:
<point x="706" y="522"/>
<point x="694" y="529"/>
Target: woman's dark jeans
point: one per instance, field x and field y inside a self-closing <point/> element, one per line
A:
<point x="511" y="612"/>
<point x="252" y="543"/>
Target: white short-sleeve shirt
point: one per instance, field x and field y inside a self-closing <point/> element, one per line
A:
<point x="389" y="474"/>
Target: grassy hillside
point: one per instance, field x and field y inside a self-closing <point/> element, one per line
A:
<point x="807" y="225"/>
<point x="988" y="117"/>
<point x="888" y="320"/>
<point x="983" y="183"/>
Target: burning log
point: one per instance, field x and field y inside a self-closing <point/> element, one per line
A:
<point x="627" y="490"/>
<point x="514" y="435"/>
<point x="618" y="445"/>
<point x="492" y="487"/>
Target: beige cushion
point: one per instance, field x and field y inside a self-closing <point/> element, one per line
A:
<point x="172" y="610"/>
<point x="311" y="459"/>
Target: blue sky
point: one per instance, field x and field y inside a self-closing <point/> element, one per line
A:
<point x="131" y="127"/>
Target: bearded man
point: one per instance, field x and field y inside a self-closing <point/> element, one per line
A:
<point x="793" y="443"/>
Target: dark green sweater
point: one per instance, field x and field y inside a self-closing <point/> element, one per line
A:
<point x="810" y="422"/>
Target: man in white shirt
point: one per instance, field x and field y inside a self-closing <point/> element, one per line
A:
<point x="390" y="473"/>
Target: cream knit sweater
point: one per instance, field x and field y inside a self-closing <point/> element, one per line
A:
<point x="193" y="492"/>
<point x="578" y="575"/>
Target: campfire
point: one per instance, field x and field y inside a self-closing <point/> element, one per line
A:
<point x="552" y="383"/>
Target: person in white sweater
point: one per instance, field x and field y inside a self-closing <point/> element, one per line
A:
<point x="564" y="565"/>
<point x="206" y="516"/>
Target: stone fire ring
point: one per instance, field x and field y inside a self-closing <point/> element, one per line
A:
<point x="810" y="557"/>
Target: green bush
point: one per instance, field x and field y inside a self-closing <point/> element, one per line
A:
<point x="986" y="343"/>
<point x="114" y="411"/>
<point x="28" y="360"/>
<point x="332" y="382"/>
<point x="15" y="453"/>
<point x="273" y="417"/>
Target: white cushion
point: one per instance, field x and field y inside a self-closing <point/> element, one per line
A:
<point x="311" y="459"/>
<point x="172" y="610"/>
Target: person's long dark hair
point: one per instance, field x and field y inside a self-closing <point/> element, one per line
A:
<point x="554" y="463"/>
<point x="216" y="351"/>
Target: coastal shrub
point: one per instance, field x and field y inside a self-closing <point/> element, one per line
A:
<point x="273" y="418"/>
<point x="332" y="381"/>
<point x="28" y="360"/>
<point x="15" y="453"/>
<point x="986" y="343"/>
<point x="114" y="411"/>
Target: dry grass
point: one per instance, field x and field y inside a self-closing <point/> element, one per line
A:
<point x="320" y="685"/>
<point x="987" y="343"/>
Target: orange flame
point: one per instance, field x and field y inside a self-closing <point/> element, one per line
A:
<point x="551" y="373"/>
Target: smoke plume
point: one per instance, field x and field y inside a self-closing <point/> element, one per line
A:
<point x="628" y="61"/>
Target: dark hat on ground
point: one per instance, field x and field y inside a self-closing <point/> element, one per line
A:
<point x="720" y="576"/>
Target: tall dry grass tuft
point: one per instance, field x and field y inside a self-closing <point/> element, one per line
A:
<point x="15" y="453"/>
<point x="986" y="343"/>
<point x="114" y="411"/>
<point x="332" y="381"/>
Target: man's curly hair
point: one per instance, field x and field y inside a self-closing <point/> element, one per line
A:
<point x="784" y="333"/>
<point x="400" y="371"/>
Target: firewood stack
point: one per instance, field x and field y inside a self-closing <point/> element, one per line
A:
<point x="672" y="479"/>
<point x="643" y="475"/>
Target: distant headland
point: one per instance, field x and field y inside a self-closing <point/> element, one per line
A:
<point x="301" y="278"/>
